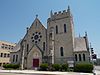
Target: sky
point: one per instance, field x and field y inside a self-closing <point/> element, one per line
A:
<point x="16" y="15"/>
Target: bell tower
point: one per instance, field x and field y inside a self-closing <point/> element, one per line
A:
<point x="61" y="44"/>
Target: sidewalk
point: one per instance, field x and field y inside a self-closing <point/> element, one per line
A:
<point x="43" y="72"/>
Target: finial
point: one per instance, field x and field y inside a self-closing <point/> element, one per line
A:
<point x="27" y="29"/>
<point x="85" y="33"/>
<point x="51" y="14"/>
<point x="68" y="10"/>
<point x="36" y="16"/>
<point x="90" y="45"/>
<point x="68" y="7"/>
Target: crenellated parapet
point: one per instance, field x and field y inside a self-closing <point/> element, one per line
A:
<point x="59" y="15"/>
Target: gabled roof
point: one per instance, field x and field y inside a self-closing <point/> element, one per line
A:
<point x="80" y="44"/>
<point x="37" y="20"/>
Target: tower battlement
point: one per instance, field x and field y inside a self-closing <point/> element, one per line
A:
<point x="59" y="12"/>
<point x="59" y="15"/>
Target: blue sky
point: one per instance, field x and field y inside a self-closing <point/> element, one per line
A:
<point x="16" y="15"/>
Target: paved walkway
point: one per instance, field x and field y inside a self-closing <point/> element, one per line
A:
<point x="97" y="70"/>
<point x="13" y="74"/>
<point x="30" y="72"/>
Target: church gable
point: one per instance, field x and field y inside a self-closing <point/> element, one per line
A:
<point x="37" y="25"/>
<point x="36" y="35"/>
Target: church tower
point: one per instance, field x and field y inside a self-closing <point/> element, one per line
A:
<point x="60" y="37"/>
<point x="56" y="44"/>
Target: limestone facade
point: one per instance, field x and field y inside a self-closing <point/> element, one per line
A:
<point x="54" y="44"/>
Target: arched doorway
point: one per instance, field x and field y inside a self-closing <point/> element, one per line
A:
<point x="35" y="59"/>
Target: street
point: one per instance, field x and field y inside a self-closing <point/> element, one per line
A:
<point x="32" y="72"/>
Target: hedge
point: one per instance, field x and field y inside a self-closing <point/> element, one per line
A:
<point x="11" y="66"/>
<point x="56" y="67"/>
<point x="44" y="67"/>
<point x="53" y="67"/>
<point x="83" y="67"/>
<point x="64" y="67"/>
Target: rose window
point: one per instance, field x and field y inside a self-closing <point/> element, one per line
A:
<point x="36" y="37"/>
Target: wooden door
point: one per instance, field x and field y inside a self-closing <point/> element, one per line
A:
<point x="35" y="62"/>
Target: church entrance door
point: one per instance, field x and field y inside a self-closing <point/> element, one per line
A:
<point x="35" y="62"/>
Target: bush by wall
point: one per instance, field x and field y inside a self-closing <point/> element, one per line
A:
<point x="44" y="67"/>
<point x="11" y="66"/>
<point x="64" y="67"/>
<point x="83" y="67"/>
<point x="56" y="67"/>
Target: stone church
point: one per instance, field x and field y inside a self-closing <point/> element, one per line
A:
<point x="54" y="44"/>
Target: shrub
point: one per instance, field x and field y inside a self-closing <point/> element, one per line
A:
<point x="56" y="67"/>
<point x="64" y="67"/>
<point x="44" y="67"/>
<point x="15" y="66"/>
<point x="83" y="67"/>
<point x="11" y="66"/>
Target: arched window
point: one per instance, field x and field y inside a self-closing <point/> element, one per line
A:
<point x="75" y="57"/>
<point x="50" y="35"/>
<point x="13" y="58"/>
<point x="56" y="29"/>
<point x="44" y="46"/>
<point x="16" y="58"/>
<point x="27" y="47"/>
<point x="64" y="28"/>
<point x="83" y="57"/>
<point x="61" y="51"/>
<point x="80" y="57"/>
